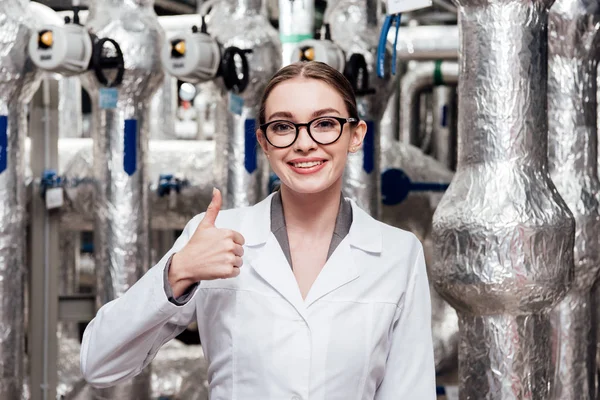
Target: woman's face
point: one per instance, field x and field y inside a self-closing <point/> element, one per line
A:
<point x="306" y="166"/>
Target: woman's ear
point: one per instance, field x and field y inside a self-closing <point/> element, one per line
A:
<point x="260" y="138"/>
<point x="357" y="136"/>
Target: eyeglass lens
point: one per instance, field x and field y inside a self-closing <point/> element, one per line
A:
<point x="323" y="130"/>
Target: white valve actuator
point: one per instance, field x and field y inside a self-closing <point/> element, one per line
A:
<point x="63" y="49"/>
<point x="193" y="57"/>
<point x="324" y="51"/>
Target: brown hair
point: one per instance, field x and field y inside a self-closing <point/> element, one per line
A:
<point x="311" y="70"/>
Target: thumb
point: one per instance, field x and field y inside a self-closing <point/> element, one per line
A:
<point x="213" y="209"/>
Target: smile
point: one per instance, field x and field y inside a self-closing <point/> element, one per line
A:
<point x="308" y="164"/>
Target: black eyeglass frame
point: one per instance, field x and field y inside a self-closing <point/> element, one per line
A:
<point x="341" y="120"/>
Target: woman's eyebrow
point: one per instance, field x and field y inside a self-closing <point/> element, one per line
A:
<point x="324" y="111"/>
<point x="281" y="114"/>
<point x="315" y="114"/>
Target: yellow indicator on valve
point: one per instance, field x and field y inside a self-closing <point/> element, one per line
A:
<point x="46" y="39"/>
<point x="180" y="47"/>
<point x="309" y="54"/>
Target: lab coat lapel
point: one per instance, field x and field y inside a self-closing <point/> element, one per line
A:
<point x="264" y="255"/>
<point x="338" y="271"/>
<point x="342" y="266"/>
<point x="270" y="263"/>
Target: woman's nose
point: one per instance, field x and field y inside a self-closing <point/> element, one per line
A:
<point x="304" y="142"/>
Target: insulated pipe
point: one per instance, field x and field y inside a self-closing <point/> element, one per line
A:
<point x="427" y="42"/>
<point x="18" y="81"/>
<point x="120" y="135"/>
<point x="444" y="135"/>
<point x="423" y="76"/>
<point x="504" y="237"/>
<point x="242" y="24"/>
<point x="70" y="122"/>
<point x="296" y="23"/>
<point x="163" y="109"/>
<point x="573" y="163"/>
<point x="355" y="28"/>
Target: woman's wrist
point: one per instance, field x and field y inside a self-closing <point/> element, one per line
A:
<point x="179" y="278"/>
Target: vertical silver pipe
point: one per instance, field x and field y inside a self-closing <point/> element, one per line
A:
<point x="120" y="133"/>
<point x="504" y="236"/>
<point x="70" y="123"/>
<point x="355" y="28"/>
<point x="296" y="23"/>
<point x="573" y="164"/>
<point x="241" y="23"/>
<point x="163" y="108"/>
<point x="18" y="81"/>
<point x="68" y="283"/>
<point x="444" y="139"/>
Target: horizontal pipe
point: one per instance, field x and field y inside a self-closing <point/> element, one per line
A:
<point x="428" y="42"/>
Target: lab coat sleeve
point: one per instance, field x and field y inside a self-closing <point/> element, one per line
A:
<point x="410" y="367"/>
<point x="127" y="332"/>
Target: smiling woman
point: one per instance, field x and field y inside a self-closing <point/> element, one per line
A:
<point x="303" y="295"/>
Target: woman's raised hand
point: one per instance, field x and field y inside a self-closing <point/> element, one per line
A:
<point x="211" y="253"/>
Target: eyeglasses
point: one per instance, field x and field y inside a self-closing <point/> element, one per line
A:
<point x="323" y="130"/>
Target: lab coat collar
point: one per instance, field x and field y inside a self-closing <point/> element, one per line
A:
<point x="365" y="232"/>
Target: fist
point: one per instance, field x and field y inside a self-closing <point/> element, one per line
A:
<point x="211" y="253"/>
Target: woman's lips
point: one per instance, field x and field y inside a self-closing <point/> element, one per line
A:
<point x="307" y="167"/>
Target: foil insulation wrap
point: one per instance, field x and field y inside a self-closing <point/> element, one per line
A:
<point x="355" y="26"/>
<point x="163" y="108"/>
<point x="18" y="81"/>
<point x="191" y="162"/>
<point x="573" y="163"/>
<point x="503" y="235"/>
<point x="70" y="123"/>
<point x="422" y="77"/>
<point x="415" y="214"/>
<point x="120" y="136"/>
<point x="180" y="371"/>
<point x="242" y="23"/>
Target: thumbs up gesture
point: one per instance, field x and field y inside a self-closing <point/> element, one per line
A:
<point x="211" y="253"/>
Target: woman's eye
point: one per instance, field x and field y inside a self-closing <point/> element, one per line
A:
<point x="325" y="124"/>
<point x="282" y="128"/>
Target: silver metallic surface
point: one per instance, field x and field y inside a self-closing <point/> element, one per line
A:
<point x="189" y="160"/>
<point x="573" y="164"/>
<point x="179" y="371"/>
<point x="121" y="211"/>
<point x="163" y="108"/>
<point x="415" y="214"/>
<point x="355" y="26"/>
<point x="68" y="282"/>
<point x="443" y="142"/>
<point x="503" y="235"/>
<point x="69" y="107"/>
<point x="426" y="42"/>
<point x="423" y="76"/>
<point x="18" y="81"/>
<point x="241" y="23"/>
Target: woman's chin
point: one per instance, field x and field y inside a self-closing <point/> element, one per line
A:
<point x="308" y="187"/>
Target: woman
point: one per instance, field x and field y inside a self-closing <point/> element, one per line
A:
<point x="302" y="296"/>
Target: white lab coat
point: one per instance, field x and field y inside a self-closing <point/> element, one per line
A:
<point x="362" y="333"/>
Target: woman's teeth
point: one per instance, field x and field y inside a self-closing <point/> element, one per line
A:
<point x="307" y="164"/>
